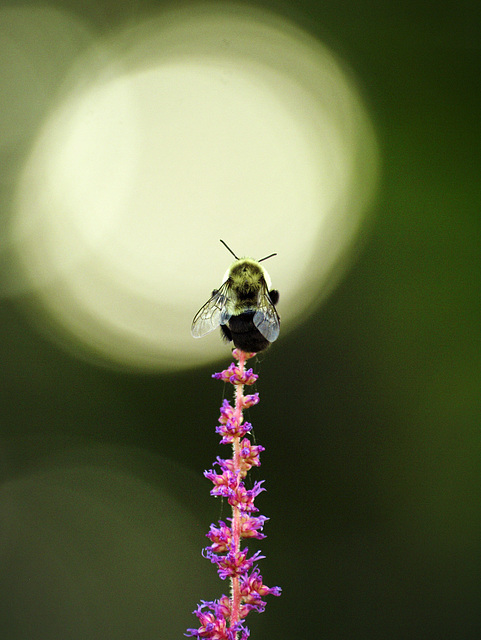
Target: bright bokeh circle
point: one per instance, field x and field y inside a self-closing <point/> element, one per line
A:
<point x="219" y="122"/>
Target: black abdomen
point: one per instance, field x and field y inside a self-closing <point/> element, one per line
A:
<point x="242" y="331"/>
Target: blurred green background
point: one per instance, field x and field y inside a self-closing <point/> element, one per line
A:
<point x="369" y="410"/>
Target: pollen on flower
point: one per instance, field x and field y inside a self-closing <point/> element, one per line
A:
<point x="224" y="619"/>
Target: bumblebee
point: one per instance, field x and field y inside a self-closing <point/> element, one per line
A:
<point x="244" y="307"/>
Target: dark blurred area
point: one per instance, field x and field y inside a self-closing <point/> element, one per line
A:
<point x="370" y="411"/>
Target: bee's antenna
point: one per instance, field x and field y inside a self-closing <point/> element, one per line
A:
<point x="267" y="257"/>
<point x="229" y="249"/>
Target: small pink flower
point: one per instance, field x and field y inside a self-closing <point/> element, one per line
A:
<point x="227" y="412"/>
<point x="235" y="375"/>
<point x="249" y="456"/>
<point x="225" y="484"/>
<point x="253" y="589"/>
<point x="232" y="429"/>
<point x="234" y="563"/>
<point x="213" y="624"/>
<point x="250" y="401"/>
<point x="237" y="354"/>
<point x="251" y="527"/>
<point x="244" y="498"/>
<point x="221" y="537"/>
<point x="227" y="374"/>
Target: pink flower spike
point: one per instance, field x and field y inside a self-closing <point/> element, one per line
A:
<point x="224" y="619"/>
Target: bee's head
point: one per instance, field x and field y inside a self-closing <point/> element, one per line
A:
<point x="247" y="274"/>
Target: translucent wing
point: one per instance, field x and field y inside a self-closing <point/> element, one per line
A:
<point x="266" y="318"/>
<point x="212" y="314"/>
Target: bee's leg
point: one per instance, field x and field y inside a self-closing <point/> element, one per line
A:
<point x="274" y="296"/>
<point x="226" y="333"/>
